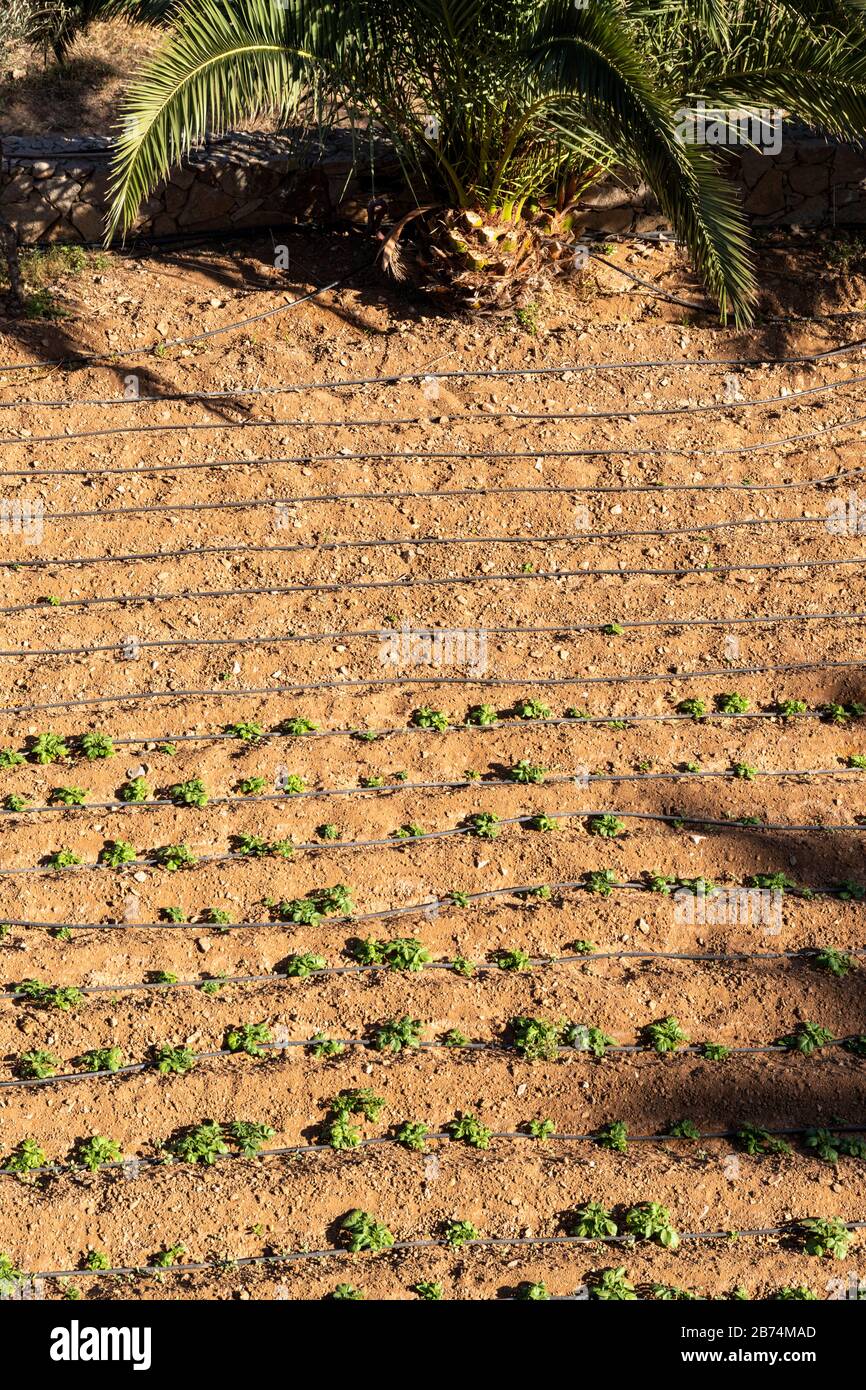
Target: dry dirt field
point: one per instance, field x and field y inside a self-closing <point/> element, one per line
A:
<point x="216" y="568"/>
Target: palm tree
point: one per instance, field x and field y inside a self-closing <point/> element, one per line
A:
<point x="501" y="111"/>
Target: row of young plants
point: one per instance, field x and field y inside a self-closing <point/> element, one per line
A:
<point x="211" y="1140"/>
<point x="480" y="825"/>
<point x="607" y="1285"/>
<point x="316" y="905"/>
<point x="192" y="792"/>
<point x="400" y="953"/>
<point x="93" y="746"/>
<point x="533" y="1039"/>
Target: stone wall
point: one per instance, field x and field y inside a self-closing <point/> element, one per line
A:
<point x="56" y="188"/>
<point x="812" y="181"/>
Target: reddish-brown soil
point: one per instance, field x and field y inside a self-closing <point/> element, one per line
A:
<point x="519" y="1187"/>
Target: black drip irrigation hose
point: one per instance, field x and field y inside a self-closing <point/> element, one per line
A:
<point x="389" y="788"/>
<point x="396" y="842"/>
<point x="430" y="907"/>
<point x="563" y="630"/>
<point x="420" y="456"/>
<point x="386" y="682"/>
<point x="463" y="374"/>
<point x="398" y="1247"/>
<point x="497" y="726"/>
<point x="294" y="1150"/>
<point x="388" y="542"/>
<point x="566" y="1052"/>
<point x="629" y="413"/>
<point x="274" y="977"/>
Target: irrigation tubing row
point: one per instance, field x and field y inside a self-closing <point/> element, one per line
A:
<point x="241" y="551"/>
<point x="463" y="374"/>
<point x="479" y="417"/>
<point x="429" y="908"/>
<point x="148" y="350"/>
<point x="400" y="842"/>
<point x="419" y="456"/>
<point x="604" y="720"/>
<point x="389" y="788"/>
<point x="562" y="630"/>
<point x="293" y="1150"/>
<point x="566" y="1051"/>
<point x="396" y="494"/>
<point x="273" y="977"/>
<point x="418" y="681"/>
<point x="409" y="582"/>
<point x="398" y="1247"/>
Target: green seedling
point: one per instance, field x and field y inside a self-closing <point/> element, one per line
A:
<point x="541" y="1129"/>
<point x="67" y="796"/>
<point x="457" y="1233"/>
<point x="427" y="718"/>
<point x="252" y="786"/>
<point x="613" y="1286"/>
<point x="328" y="832"/>
<point x="600" y="882"/>
<point x="93" y="1153"/>
<point x="10" y="757"/>
<point x="685" y="1129"/>
<point x="346" y="1293"/>
<point x="412" y="1134"/>
<point x="171" y="1060"/>
<point x="137" y="789"/>
<point x="588" y="1039"/>
<point x="248" y="1038"/>
<point x="62" y="997"/>
<point x="292" y="784"/>
<point x="322" y="1046"/>
<point x="25" y="1158"/>
<point x="172" y="914"/>
<point x="412" y="831"/>
<point x="116" y="853"/>
<point x="755" y="1141"/>
<point x="62" y="859"/>
<point x="172" y="858"/>
<point x="825" y="1237"/>
<point x="48" y="748"/>
<point x="101" y="1059"/>
<point x="788" y="708"/>
<point x="363" y="1232"/>
<point x="248" y="730"/>
<point x="795" y="1293"/>
<point x="401" y="953"/>
<point x="297" y="727"/>
<point x="454" y="1038"/>
<point x="534" y="1039"/>
<point x="37" y="1065"/>
<point x="169" y="1256"/>
<point x="470" y="1130"/>
<point x="95" y="746"/>
<point x="544" y="823"/>
<point x="190" y="793"/>
<point x="526" y="772"/>
<point x="592" y="1222"/>
<point x="834" y="962"/>
<point x="613" y="1136"/>
<point x="396" y="1034"/>
<point x="515" y="961"/>
<point x="300" y="966"/>
<point x="249" y="1136"/>
<point x="458" y="899"/>
<point x="743" y="772"/>
<point x="694" y="708"/>
<point x="607" y="826"/>
<point x="203" y="1143"/>
<point x="652" y="1221"/>
<point x="429" y="1291"/>
<point x="806" y="1039"/>
<point x="666" y="1035"/>
<point x="482" y="715"/>
<point x="532" y="709"/>
<point x="14" y="802"/>
<point x="731" y="703"/>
